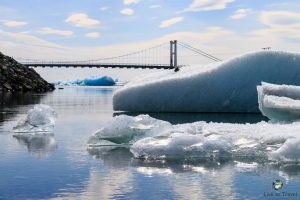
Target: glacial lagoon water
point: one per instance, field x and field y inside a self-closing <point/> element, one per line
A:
<point x="59" y="165"/>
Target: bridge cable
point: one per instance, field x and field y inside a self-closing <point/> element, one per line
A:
<point x="198" y="51"/>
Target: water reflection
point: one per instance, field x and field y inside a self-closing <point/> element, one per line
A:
<point x="39" y="145"/>
<point x="12" y="103"/>
<point x="122" y="157"/>
<point x="115" y="157"/>
<point x="206" y="179"/>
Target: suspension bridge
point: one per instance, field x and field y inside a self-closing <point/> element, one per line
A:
<point x="163" y="56"/>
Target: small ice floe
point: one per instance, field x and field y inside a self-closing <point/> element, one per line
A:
<point x="152" y="139"/>
<point x="39" y="119"/>
<point x="125" y="130"/>
<point x="279" y="102"/>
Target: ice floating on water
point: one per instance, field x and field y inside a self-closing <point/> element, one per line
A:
<point x="39" y="119"/>
<point x="279" y="102"/>
<point x="91" y="81"/>
<point x="126" y="130"/>
<point x="156" y="139"/>
<point x="228" y="86"/>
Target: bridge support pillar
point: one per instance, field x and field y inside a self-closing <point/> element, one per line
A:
<point x="173" y="54"/>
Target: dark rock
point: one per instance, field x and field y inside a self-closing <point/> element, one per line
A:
<point x="16" y="77"/>
<point x="7" y="86"/>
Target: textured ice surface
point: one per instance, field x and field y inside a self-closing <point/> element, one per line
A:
<point x="279" y="102"/>
<point x="39" y="119"/>
<point x="228" y="86"/>
<point x="91" y="81"/>
<point x="126" y="130"/>
<point x="156" y="139"/>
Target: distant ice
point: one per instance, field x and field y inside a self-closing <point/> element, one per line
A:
<point x="228" y="86"/>
<point x="279" y="102"/>
<point x="150" y="138"/>
<point x="91" y="81"/>
<point x="39" y="119"/>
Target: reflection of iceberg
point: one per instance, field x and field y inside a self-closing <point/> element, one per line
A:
<point x="117" y="157"/>
<point x="279" y="102"/>
<point x="39" y="119"/>
<point x="156" y="139"/>
<point x="228" y="86"/>
<point x="91" y="81"/>
<point x="40" y="145"/>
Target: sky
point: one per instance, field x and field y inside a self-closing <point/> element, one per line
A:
<point x="88" y="29"/>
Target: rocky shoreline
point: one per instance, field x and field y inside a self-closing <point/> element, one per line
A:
<point x="16" y="77"/>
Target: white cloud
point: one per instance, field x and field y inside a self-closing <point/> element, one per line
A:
<point x="50" y="31"/>
<point x="14" y="23"/>
<point x="103" y="8"/>
<point x="127" y="11"/>
<point x="155" y="6"/>
<point x="282" y="25"/>
<point x="207" y="5"/>
<point x="82" y="20"/>
<point x="128" y="2"/>
<point x="284" y="19"/>
<point x="28" y="46"/>
<point x="170" y="22"/>
<point x="93" y="35"/>
<point x="241" y="13"/>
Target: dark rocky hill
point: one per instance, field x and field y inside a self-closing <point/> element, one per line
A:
<point x="16" y="77"/>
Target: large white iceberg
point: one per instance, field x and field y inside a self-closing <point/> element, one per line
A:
<point x="149" y="138"/>
<point x="228" y="86"/>
<point x="279" y="102"/>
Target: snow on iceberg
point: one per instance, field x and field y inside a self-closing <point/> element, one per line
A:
<point x="39" y="119"/>
<point x="149" y="138"/>
<point x="91" y="81"/>
<point x="229" y="86"/>
<point x="279" y="102"/>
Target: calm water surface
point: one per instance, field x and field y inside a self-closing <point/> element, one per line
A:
<point x="59" y="166"/>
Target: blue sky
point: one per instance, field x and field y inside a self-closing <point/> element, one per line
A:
<point x="86" y="27"/>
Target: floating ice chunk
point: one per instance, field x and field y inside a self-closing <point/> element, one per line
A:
<point x="126" y="130"/>
<point x="156" y="139"/>
<point x="39" y="119"/>
<point x="289" y="151"/>
<point x="261" y="141"/>
<point x="228" y="86"/>
<point x="279" y="102"/>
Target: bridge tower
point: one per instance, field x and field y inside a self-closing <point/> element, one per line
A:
<point x="173" y="54"/>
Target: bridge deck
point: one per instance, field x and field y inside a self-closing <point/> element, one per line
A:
<point x="67" y="65"/>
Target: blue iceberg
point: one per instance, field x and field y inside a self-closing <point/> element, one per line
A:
<point x="91" y="81"/>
